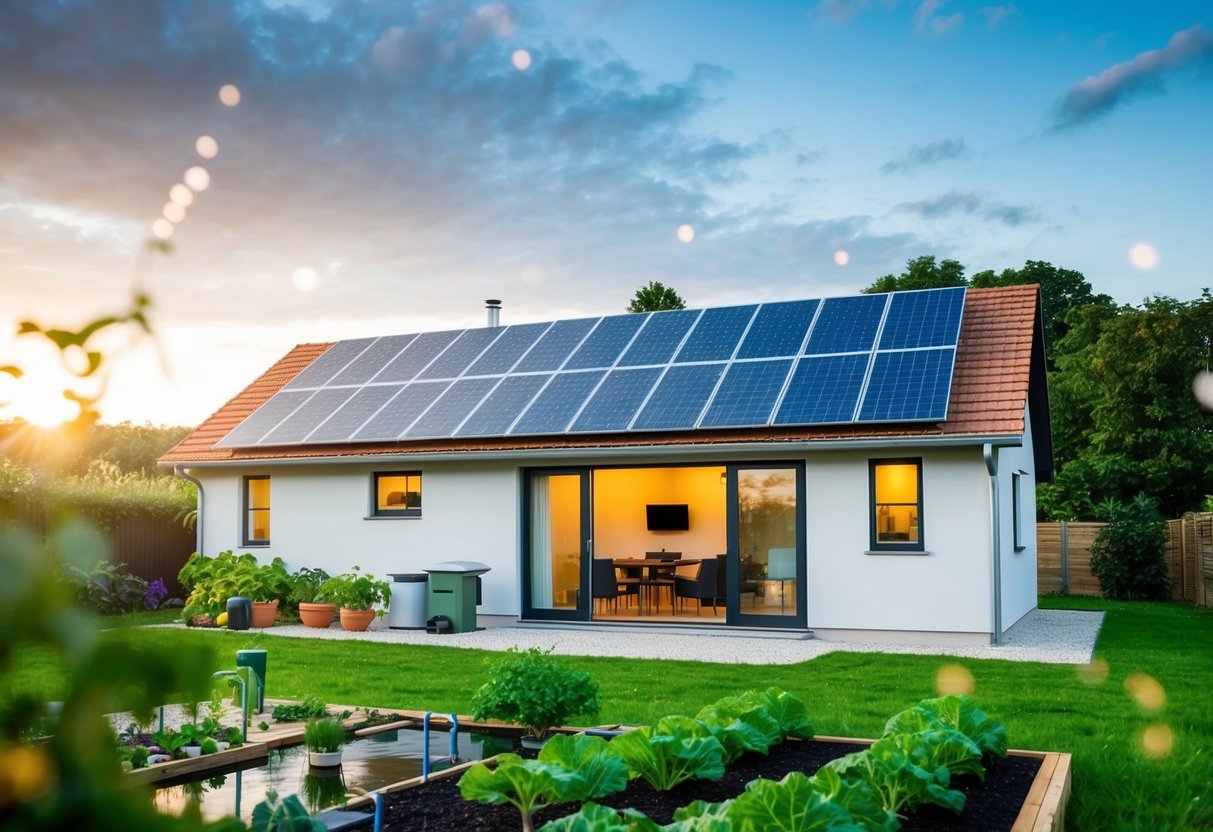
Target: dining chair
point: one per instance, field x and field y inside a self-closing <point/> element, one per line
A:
<point x="699" y="584"/>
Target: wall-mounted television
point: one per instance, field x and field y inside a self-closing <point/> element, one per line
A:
<point x="667" y="518"/>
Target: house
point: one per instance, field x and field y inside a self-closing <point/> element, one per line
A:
<point x="857" y="467"/>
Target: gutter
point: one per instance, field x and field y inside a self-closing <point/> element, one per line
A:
<point x="716" y="449"/>
<point x="180" y="471"/>
<point x="990" y="453"/>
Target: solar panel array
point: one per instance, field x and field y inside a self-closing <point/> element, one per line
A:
<point x="867" y="358"/>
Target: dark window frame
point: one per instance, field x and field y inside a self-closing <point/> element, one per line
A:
<point x="406" y="511"/>
<point x="248" y="509"/>
<point x="874" y="542"/>
<point x="1017" y="518"/>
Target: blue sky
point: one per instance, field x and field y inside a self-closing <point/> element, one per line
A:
<point x="391" y="164"/>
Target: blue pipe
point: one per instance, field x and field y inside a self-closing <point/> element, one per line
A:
<point x="453" y="744"/>
<point x="378" y="798"/>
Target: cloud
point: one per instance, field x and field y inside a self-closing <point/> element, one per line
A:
<point x="926" y="19"/>
<point x="995" y="15"/>
<point x="923" y="155"/>
<point x="839" y="11"/>
<point x="1100" y="94"/>
<point x="969" y="202"/>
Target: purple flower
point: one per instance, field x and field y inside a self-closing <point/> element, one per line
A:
<point x="156" y="592"/>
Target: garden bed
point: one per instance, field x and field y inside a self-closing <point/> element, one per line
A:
<point x="1024" y="791"/>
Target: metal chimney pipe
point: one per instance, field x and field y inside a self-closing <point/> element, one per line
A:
<point x="494" y="311"/>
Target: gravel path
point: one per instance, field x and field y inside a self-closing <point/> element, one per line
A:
<point x="1050" y="636"/>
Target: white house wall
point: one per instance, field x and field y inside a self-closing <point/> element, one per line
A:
<point x="1019" y="591"/>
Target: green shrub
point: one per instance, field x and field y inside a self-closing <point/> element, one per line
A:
<point x="1127" y="555"/>
<point x="211" y="581"/>
<point x="107" y="588"/>
<point x="354" y="590"/>
<point x="535" y="689"/>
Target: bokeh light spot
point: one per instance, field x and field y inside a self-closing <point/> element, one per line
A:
<point x="842" y="257"/>
<point x="1157" y="740"/>
<point x="1143" y="256"/>
<point x="1202" y="386"/>
<point x="305" y="278"/>
<point x="1147" y="691"/>
<point x="521" y="59"/>
<point x="174" y="212"/>
<point x="197" y="178"/>
<point x="686" y="233"/>
<point x="162" y="228"/>
<point x="181" y="195"/>
<point x="207" y="147"/>
<point x="1095" y="673"/>
<point x="954" y="680"/>
<point x="229" y="95"/>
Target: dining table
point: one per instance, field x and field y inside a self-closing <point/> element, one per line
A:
<point x="650" y="572"/>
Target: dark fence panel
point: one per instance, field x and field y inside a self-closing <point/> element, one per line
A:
<point x="152" y="547"/>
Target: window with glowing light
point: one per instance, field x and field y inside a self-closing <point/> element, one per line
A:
<point x="397" y="494"/>
<point x="256" y="511"/>
<point x="896" y="492"/>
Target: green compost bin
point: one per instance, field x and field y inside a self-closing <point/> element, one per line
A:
<point x="453" y="592"/>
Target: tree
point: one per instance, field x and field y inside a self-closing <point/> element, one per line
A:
<point x="922" y="273"/>
<point x="1061" y="290"/>
<point x="656" y="297"/>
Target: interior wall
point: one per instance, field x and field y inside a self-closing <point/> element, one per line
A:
<point x="620" y="497"/>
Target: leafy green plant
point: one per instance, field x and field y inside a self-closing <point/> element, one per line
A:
<point x="312" y="707"/>
<point x="107" y="588"/>
<point x="957" y="712"/>
<point x="534" y="689"/>
<point x="674" y="749"/>
<point x="209" y="746"/>
<point x="593" y="817"/>
<point x="305" y="585"/>
<point x="527" y="785"/>
<point x="896" y="780"/>
<point x="799" y="804"/>
<point x="325" y="735"/>
<point x="1127" y="555"/>
<point x="354" y="590"/>
<point x="171" y="741"/>
<point x="756" y="720"/>
<point x="211" y="581"/>
<point x="287" y="815"/>
<point x="600" y="772"/>
<point x="235" y="737"/>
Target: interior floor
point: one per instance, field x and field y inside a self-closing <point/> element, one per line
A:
<point x="630" y="612"/>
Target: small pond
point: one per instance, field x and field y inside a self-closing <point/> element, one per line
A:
<point x="368" y="763"/>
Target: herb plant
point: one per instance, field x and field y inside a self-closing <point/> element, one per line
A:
<point x="311" y="708"/>
<point x="355" y="591"/>
<point x="534" y="689"/>
<point x="324" y="735"/>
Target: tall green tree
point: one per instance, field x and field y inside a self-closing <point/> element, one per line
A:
<point x="656" y="297"/>
<point x="922" y="273"/>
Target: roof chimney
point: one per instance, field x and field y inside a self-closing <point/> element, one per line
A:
<point x="494" y="309"/>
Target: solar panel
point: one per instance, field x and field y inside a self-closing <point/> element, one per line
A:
<point x="778" y="329"/>
<point x="716" y="334"/>
<point x="557" y="404"/>
<point x="616" y="400"/>
<point x="363" y="368"/>
<point x="393" y="420"/>
<point x="605" y="343"/>
<point x="923" y="319"/>
<point x="502" y="407"/>
<point x="328" y="364"/>
<point x="909" y="386"/>
<point x="659" y="338"/>
<point x="679" y="397"/>
<point x="868" y="358"/>
<point x="823" y="390"/>
<point x="747" y="394"/>
<point x="506" y="350"/>
<point x="354" y="413"/>
<point x="423" y="349"/>
<point x="846" y="324"/>
<point x="555" y="346"/>
<point x="451" y="408"/>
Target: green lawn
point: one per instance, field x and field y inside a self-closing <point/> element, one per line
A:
<point x="1117" y="785"/>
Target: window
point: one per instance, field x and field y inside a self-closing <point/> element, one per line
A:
<point x="397" y="494"/>
<point x="1017" y="518"/>
<point x="256" y="511"/>
<point x="896" y="487"/>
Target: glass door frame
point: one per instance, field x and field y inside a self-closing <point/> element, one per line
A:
<point x="734" y="616"/>
<point x="580" y="612"/>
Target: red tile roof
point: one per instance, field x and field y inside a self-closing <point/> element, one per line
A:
<point x="989" y="394"/>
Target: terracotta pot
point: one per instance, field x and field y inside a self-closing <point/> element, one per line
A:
<point x="356" y="620"/>
<point x="317" y="615"/>
<point x="264" y="613"/>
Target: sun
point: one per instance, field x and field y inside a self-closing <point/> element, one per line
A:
<point x="37" y="397"/>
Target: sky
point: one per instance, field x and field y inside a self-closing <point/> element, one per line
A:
<point x="383" y="166"/>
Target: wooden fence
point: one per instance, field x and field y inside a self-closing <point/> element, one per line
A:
<point x="1063" y="558"/>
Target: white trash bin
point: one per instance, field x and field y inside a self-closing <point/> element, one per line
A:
<point x="407" y="610"/>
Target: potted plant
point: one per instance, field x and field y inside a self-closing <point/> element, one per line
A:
<point x="535" y="689"/>
<point x="306" y="585"/>
<point x="212" y="581"/>
<point x="194" y="738"/>
<point x="356" y="595"/>
<point x="324" y="738"/>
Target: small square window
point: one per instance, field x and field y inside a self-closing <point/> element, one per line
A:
<point x="1018" y="520"/>
<point x="397" y="494"/>
<point x="896" y="493"/>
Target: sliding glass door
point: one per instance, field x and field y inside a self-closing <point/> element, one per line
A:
<point x="557" y="545"/>
<point x="766" y="536"/>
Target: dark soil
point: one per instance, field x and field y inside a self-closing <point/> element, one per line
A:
<point x="991" y="805"/>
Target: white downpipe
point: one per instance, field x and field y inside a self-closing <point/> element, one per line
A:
<point x="179" y="471"/>
<point x="990" y="453"/>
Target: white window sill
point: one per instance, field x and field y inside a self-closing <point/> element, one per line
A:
<point x="898" y="552"/>
<point x="392" y="517"/>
